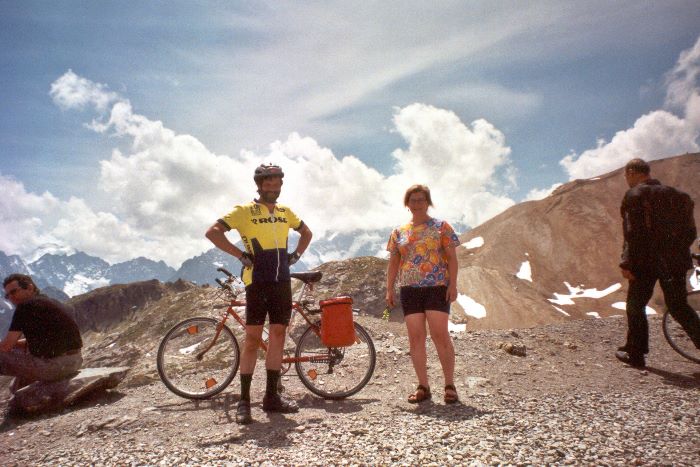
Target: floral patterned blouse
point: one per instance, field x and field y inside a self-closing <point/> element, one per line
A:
<point x="422" y="250"/>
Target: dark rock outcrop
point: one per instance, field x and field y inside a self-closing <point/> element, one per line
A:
<point x="102" y="308"/>
<point x="363" y="279"/>
<point x="45" y="396"/>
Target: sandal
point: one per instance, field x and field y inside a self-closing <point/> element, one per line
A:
<point x="422" y="394"/>
<point x="451" y="397"/>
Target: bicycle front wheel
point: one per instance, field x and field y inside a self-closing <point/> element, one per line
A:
<point x="335" y="372"/>
<point x="679" y="339"/>
<point x="196" y="363"/>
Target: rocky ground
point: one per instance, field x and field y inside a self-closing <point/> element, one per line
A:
<point x="567" y="401"/>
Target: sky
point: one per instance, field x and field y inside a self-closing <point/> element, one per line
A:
<point x="127" y="128"/>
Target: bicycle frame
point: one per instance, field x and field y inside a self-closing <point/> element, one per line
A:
<point x="297" y="307"/>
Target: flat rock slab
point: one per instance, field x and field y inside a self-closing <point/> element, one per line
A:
<point x="45" y="396"/>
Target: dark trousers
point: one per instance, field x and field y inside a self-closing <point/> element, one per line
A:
<point x="676" y="298"/>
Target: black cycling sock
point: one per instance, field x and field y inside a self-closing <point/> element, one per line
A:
<point x="273" y="377"/>
<point x="245" y="386"/>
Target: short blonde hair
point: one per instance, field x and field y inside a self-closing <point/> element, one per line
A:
<point x="418" y="189"/>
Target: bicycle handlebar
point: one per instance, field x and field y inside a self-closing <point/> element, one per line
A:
<point x="225" y="272"/>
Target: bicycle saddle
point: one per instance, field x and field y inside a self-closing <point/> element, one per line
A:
<point x="307" y="277"/>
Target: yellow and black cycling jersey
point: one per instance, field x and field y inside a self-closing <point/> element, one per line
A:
<point x="264" y="235"/>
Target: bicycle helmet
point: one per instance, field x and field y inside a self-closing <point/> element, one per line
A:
<point x="267" y="170"/>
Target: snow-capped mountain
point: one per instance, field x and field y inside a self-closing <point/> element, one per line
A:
<point x="77" y="272"/>
<point x="74" y="274"/>
<point x="12" y="264"/>
<point x="6" y="311"/>
<point x="139" y="269"/>
<point x="202" y="268"/>
<point x="49" y="249"/>
<point x="65" y="275"/>
<point x="338" y="246"/>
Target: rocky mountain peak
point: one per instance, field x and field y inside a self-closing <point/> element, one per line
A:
<point x="569" y="243"/>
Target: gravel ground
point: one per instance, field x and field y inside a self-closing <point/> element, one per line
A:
<point x="568" y="401"/>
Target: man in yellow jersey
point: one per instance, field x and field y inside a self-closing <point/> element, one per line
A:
<point x="264" y="227"/>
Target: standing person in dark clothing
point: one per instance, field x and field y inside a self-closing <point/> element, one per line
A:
<point x="658" y="230"/>
<point x="43" y="342"/>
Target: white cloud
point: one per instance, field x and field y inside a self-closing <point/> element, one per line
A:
<point x="24" y="217"/>
<point x="318" y="72"/>
<point x="494" y="100"/>
<point x="32" y="224"/>
<point x="682" y="81"/>
<point x="537" y="194"/>
<point x="655" y="135"/>
<point x="71" y="91"/>
<point x="460" y="163"/>
<point x="167" y="188"/>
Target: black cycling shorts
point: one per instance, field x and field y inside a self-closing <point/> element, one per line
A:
<point x="421" y="299"/>
<point x="273" y="298"/>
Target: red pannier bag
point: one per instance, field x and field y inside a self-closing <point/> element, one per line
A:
<point x="337" y="327"/>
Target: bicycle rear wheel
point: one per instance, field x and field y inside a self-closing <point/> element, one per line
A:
<point x="194" y="366"/>
<point x="335" y="372"/>
<point x="678" y="339"/>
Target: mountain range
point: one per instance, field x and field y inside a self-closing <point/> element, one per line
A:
<point x="77" y="273"/>
<point x="538" y="262"/>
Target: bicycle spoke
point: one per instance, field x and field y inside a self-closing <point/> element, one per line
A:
<point x="335" y="373"/>
<point x="194" y="362"/>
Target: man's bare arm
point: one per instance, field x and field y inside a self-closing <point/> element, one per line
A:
<point x="217" y="235"/>
<point x="304" y="240"/>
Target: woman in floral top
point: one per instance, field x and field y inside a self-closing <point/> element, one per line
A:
<point x="424" y="259"/>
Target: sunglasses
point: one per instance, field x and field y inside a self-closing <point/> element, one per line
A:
<point x="11" y="293"/>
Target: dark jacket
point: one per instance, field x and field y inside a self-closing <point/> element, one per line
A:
<point x="659" y="228"/>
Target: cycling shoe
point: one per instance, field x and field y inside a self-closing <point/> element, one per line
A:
<point x="277" y="403"/>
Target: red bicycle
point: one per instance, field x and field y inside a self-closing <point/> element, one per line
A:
<point x="199" y="357"/>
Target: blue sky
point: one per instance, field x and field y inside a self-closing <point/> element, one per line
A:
<point x="137" y="123"/>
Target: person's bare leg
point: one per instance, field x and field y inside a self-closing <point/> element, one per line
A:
<point x="438" y="324"/>
<point x="415" y="325"/>
<point x="275" y="347"/>
<point x="251" y="344"/>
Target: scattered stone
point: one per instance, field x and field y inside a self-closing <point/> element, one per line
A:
<point x="555" y="412"/>
<point x="476" y="382"/>
<point x="513" y="349"/>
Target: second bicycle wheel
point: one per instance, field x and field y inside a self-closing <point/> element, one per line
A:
<point x="335" y="372"/>
<point x="195" y="363"/>
<point x="679" y="339"/>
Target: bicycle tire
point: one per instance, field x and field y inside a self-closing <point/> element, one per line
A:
<point x="335" y="372"/>
<point x="183" y="373"/>
<point x="678" y="339"/>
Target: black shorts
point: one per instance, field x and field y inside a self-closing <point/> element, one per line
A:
<point x="273" y="298"/>
<point x="420" y="299"/>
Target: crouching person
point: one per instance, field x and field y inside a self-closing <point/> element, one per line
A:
<point x="43" y="342"/>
